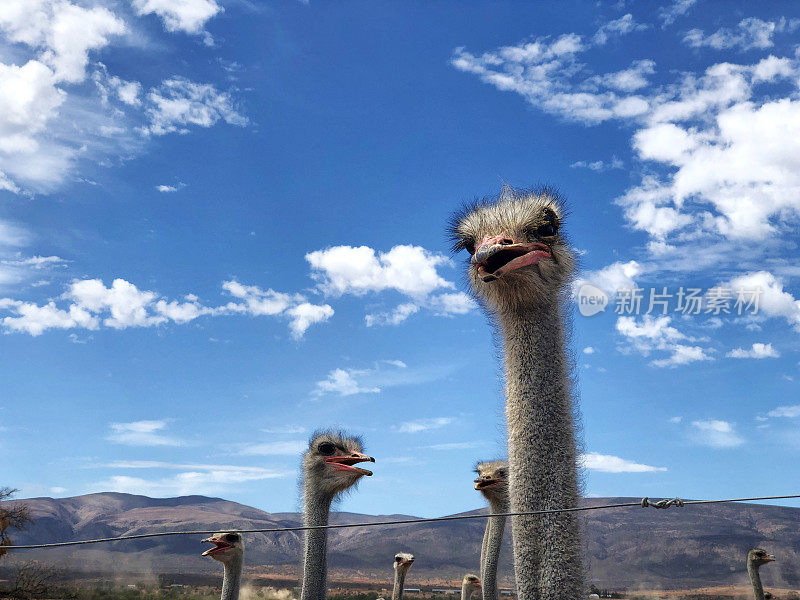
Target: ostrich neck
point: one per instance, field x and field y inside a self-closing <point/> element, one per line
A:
<point x="399" y="580"/>
<point x="315" y="563"/>
<point x="490" y="551"/>
<point x="541" y="454"/>
<point x="465" y="591"/>
<point x="231" y="579"/>
<point x="755" y="578"/>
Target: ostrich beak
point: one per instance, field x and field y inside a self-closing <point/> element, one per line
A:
<point x="345" y="463"/>
<point x="219" y="545"/>
<point x="769" y="557"/>
<point x="482" y="484"/>
<point x="498" y="256"/>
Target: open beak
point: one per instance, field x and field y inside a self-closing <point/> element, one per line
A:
<point x="492" y="260"/>
<point x="345" y="463"/>
<point x="485" y="483"/>
<point x="219" y="545"/>
<point x="769" y="557"/>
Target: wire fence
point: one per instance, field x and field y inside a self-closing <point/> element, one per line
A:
<point x="643" y="503"/>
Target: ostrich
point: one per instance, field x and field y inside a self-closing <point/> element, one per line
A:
<point x="229" y="550"/>
<point x="756" y="558"/>
<point x="470" y="585"/>
<point x="520" y="269"/>
<point x="327" y="472"/>
<point x="492" y="482"/>
<point x="402" y="563"/>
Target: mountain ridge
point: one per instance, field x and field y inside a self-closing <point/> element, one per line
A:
<point x="627" y="547"/>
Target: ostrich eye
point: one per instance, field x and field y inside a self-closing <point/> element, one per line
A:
<point x="469" y="246"/>
<point x="397" y="559"/>
<point x="232" y="537"/>
<point x="550" y="226"/>
<point x="326" y="448"/>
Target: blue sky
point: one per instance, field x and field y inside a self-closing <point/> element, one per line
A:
<point x="222" y="226"/>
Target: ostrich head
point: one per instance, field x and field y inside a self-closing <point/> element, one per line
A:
<point x="227" y="547"/>
<point x="492" y="480"/>
<point x="758" y="557"/>
<point x="472" y="584"/>
<point x="403" y="561"/>
<point x="328" y="462"/>
<point x="520" y="256"/>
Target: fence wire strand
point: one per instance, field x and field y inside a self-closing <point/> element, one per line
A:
<point x="643" y="503"/>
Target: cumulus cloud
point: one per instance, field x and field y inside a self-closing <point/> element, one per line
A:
<point x="179" y="103"/>
<point x="716" y="434"/>
<point x="612" y="278"/>
<point x="773" y="300"/>
<point x="657" y="334"/>
<point x="51" y="122"/>
<point x="89" y="304"/>
<point x="750" y="33"/>
<point x="344" y="383"/>
<point x="142" y="433"/>
<point x="607" y="463"/>
<point x="409" y="270"/>
<point x="189" y="16"/>
<point x="422" y="425"/>
<point x="758" y="350"/>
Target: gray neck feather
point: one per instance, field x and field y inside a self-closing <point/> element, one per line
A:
<point x="465" y="590"/>
<point x="399" y="580"/>
<point x="231" y="579"/>
<point x="490" y="551"/>
<point x="755" y="578"/>
<point x="315" y="562"/>
<point x="541" y="455"/>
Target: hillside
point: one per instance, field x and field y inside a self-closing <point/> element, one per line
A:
<point x="630" y="547"/>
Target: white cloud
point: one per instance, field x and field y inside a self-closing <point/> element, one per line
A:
<point x="715" y="433"/>
<point x="207" y="479"/>
<point x="398" y="315"/>
<point x="304" y="315"/>
<point x="178" y="103"/>
<point x="773" y="300"/>
<point x="675" y="420"/>
<point x="790" y="412"/>
<point x="456" y="446"/>
<point x="421" y="425"/>
<point x="589" y="350"/>
<point x="656" y="334"/>
<point x="167" y="188"/>
<point x="287" y="448"/>
<point x="618" y="27"/>
<point x="51" y="122"/>
<point x="598" y="165"/>
<point x="189" y="16"/>
<point x="64" y="33"/>
<point x="410" y="270"/>
<point x="285" y="429"/>
<point x="612" y="278"/>
<point x="343" y="382"/>
<point x="142" y="433"/>
<point x="758" y="350"/>
<point x="749" y="33"/>
<point x="90" y="304"/>
<point x="607" y="463"/>
<point x="406" y="269"/>
<point x="678" y="8"/>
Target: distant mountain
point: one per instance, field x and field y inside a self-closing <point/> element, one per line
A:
<point x="628" y="547"/>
